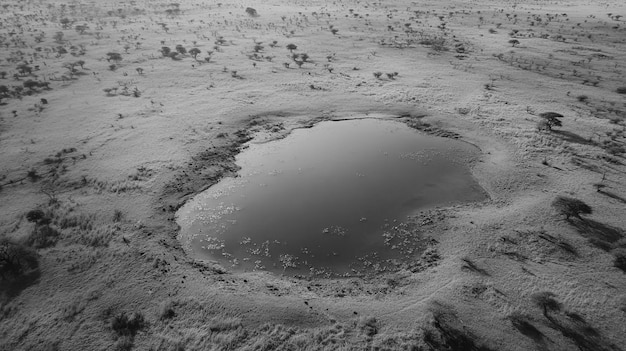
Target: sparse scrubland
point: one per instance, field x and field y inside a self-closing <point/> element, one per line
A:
<point x="114" y="113"/>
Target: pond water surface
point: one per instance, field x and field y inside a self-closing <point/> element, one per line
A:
<point x="330" y="200"/>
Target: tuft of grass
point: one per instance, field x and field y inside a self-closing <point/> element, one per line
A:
<point x="619" y="260"/>
<point x="166" y="310"/>
<point x="118" y="216"/>
<point x="368" y="326"/>
<point x="582" y="98"/>
<point x="221" y="324"/>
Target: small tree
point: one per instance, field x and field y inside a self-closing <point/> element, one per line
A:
<point x="181" y="49"/>
<point x="81" y="28"/>
<point x="114" y="56"/>
<point x="550" y="120"/>
<point x="569" y="207"/>
<point x="194" y="52"/>
<point x="165" y="51"/>
<point x="139" y="70"/>
<point x="291" y="47"/>
<point x="514" y="42"/>
<point x="545" y="300"/>
<point x="65" y="22"/>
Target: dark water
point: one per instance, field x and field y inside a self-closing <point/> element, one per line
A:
<point x="329" y="200"/>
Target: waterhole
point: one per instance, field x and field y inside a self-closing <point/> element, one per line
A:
<point x="331" y="200"/>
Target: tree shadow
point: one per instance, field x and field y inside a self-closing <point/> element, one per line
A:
<point x="572" y="137"/>
<point x="586" y="338"/>
<point x="447" y="332"/>
<point x="527" y="329"/>
<point x="12" y="288"/>
<point x="600" y="235"/>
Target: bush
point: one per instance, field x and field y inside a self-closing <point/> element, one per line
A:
<point x="251" y="12"/>
<point x="16" y="260"/>
<point x="37" y="216"/>
<point x="569" y="207"/>
<point x="621" y="90"/>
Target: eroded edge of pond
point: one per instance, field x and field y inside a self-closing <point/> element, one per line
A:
<point x="412" y="222"/>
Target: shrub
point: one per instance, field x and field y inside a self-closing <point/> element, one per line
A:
<point x="569" y="207"/>
<point x="43" y="235"/>
<point x="621" y="90"/>
<point x="514" y="42"/>
<point x="291" y="47"/>
<point x="251" y="12"/>
<point x="128" y="324"/>
<point x="36" y="216"/>
<point x="16" y="260"/>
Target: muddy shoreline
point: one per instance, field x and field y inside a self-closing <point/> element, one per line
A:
<point x="209" y="166"/>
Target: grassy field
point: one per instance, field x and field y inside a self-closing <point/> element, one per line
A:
<point x="114" y="113"/>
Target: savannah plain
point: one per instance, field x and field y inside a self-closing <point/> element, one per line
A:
<point x="114" y="113"/>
